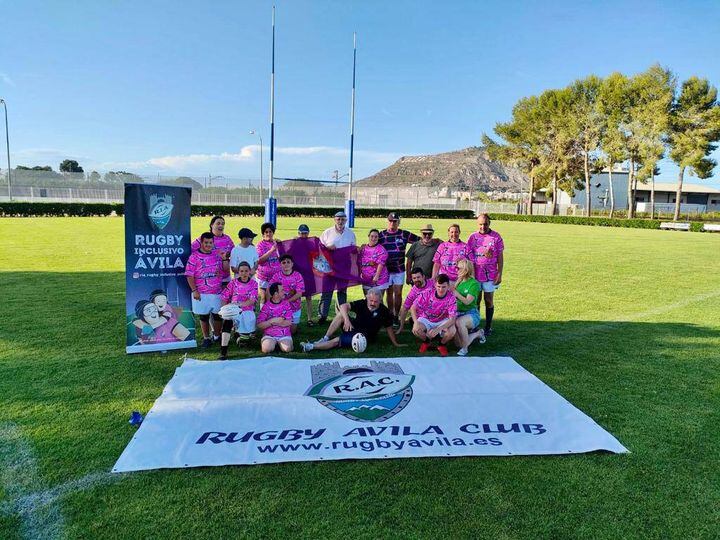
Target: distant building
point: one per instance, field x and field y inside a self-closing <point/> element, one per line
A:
<point x="696" y="198"/>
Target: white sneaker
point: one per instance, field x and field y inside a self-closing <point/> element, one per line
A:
<point x="481" y="337"/>
<point x="307" y="346"/>
<point x="462" y="352"/>
<point x="323" y="339"/>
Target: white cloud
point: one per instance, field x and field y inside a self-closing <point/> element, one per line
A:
<point x="5" y="78"/>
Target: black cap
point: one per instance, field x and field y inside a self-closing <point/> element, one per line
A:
<point x="303" y="228"/>
<point x="392" y="216"/>
<point x="246" y="233"/>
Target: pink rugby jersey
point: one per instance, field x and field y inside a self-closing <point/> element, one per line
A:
<point x="415" y="292"/>
<point x="435" y="309"/>
<point x="271" y="310"/>
<point x="448" y="254"/>
<point x="370" y="259"/>
<point x="221" y="243"/>
<point x="291" y="284"/>
<point x="163" y="333"/>
<point x="206" y="268"/>
<point x="483" y="250"/>
<point x="267" y="269"/>
<point x="238" y="292"/>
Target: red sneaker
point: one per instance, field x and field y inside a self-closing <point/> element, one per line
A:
<point x="424" y="346"/>
<point x="442" y="349"/>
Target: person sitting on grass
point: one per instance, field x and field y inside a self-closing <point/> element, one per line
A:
<point x="467" y="292"/>
<point x="294" y="286"/>
<point x="275" y="320"/>
<point x="419" y="283"/>
<point x="434" y="312"/>
<point x="370" y="316"/>
<point x="243" y="292"/>
<point x="204" y="272"/>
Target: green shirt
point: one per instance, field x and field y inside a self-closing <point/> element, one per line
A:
<point x="469" y="286"/>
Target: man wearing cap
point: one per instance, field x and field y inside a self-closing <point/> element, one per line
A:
<point x="421" y="253"/>
<point x="338" y="236"/>
<point x="304" y="232"/>
<point x="244" y="252"/>
<point x="395" y="241"/>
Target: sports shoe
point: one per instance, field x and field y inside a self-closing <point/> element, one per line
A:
<point x="488" y="332"/>
<point x="481" y="337"/>
<point x="216" y="338"/>
<point x="322" y="320"/>
<point x="206" y="343"/>
<point x="307" y="346"/>
<point x="442" y="349"/>
<point x="396" y="322"/>
<point x="462" y="352"/>
<point x="424" y="346"/>
<point x="323" y="339"/>
<point x="223" y="357"/>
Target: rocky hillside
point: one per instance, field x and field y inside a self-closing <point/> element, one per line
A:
<point x="463" y="170"/>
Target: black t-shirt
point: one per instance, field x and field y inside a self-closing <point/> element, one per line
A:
<point x="370" y="322"/>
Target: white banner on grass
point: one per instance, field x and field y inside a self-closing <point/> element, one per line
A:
<point x="270" y="410"/>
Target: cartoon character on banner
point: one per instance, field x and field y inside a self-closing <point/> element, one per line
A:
<point x="157" y="320"/>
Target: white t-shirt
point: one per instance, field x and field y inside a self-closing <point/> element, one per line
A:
<point x="331" y="237"/>
<point x="247" y="254"/>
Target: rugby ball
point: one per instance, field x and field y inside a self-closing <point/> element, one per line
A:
<point x="359" y="343"/>
<point x="229" y="311"/>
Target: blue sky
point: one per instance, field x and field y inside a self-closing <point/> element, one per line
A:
<point x="175" y="87"/>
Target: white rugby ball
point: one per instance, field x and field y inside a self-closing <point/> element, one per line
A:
<point x="359" y="343"/>
<point x="229" y="311"/>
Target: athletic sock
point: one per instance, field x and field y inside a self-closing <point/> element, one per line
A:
<point x="489" y="312"/>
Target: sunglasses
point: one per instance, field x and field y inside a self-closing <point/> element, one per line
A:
<point x="427" y="234"/>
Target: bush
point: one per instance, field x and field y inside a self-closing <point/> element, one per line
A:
<point x="28" y="209"/>
<point x="577" y="220"/>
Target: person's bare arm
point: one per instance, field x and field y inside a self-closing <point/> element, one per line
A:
<point x="500" y="262"/>
<point x="191" y="282"/>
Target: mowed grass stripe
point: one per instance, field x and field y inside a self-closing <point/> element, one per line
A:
<point x="623" y="323"/>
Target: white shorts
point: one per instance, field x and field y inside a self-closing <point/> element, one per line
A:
<point x="262" y="283"/>
<point x="296" y="316"/>
<point x="245" y="322"/>
<point x="429" y="325"/>
<point x="397" y="278"/>
<point x="208" y="303"/>
<point x="489" y="286"/>
<point x="277" y="339"/>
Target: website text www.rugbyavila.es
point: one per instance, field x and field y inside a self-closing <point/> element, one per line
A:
<point x="368" y="439"/>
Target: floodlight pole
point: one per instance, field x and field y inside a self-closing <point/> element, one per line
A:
<point x="350" y="204"/>
<point x="7" y="146"/>
<point x="271" y="204"/>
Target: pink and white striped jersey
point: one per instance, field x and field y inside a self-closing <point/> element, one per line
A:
<point x="483" y="250"/>
<point x="448" y="254"/>
<point x="415" y="292"/>
<point x="270" y="310"/>
<point x="220" y="243"/>
<point x="291" y="284"/>
<point x="266" y="270"/>
<point x="238" y="292"/>
<point x="435" y="309"/>
<point x="370" y="259"/>
<point x="206" y="268"/>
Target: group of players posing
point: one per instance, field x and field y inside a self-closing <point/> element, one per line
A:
<point x="449" y="280"/>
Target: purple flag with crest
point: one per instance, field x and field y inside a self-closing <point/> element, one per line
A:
<point x="322" y="269"/>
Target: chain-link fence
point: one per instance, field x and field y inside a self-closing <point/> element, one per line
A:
<point x="50" y="186"/>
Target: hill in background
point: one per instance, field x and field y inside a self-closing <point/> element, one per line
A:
<point x="463" y="170"/>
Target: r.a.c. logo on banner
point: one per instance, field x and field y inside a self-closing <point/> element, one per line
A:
<point x="161" y="208"/>
<point x="371" y="393"/>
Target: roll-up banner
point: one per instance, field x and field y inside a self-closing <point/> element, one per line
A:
<point x="157" y="246"/>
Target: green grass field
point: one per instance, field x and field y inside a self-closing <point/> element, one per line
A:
<point x="624" y="323"/>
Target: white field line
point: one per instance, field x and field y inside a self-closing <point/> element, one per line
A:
<point x="39" y="508"/>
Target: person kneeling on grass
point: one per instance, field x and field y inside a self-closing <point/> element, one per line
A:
<point x="243" y="292"/>
<point x="370" y="316"/>
<point x="275" y="320"/>
<point x="434" y="312"/>
<point x="293" y="285"/>
<point x="420" y="283"/>
<point x="467" y="291"/>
